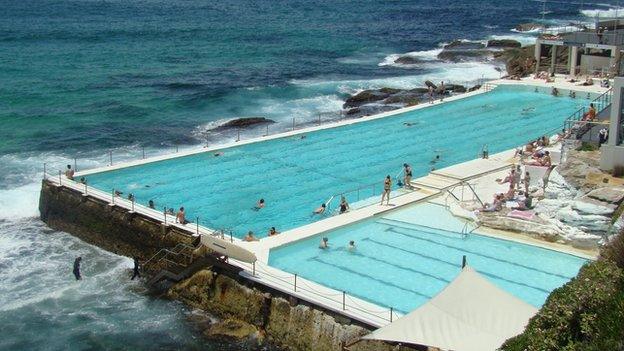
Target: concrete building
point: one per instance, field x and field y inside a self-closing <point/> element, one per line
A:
<point x="612" y="152"/>
<point x="591" y="52"/>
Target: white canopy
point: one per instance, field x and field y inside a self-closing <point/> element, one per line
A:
<point x="469" y="314"/>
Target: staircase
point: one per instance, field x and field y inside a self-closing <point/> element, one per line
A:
<point x="171" y="265"/>
<point x="589" y="132"/>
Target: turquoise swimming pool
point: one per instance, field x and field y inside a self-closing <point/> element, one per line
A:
<point x="295" y="175"/>
<point x="407" y="256"/>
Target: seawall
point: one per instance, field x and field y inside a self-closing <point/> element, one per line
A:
<point x="245" y="308"/>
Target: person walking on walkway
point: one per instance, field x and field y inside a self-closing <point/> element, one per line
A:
<point x="77" y="268"/>
<point x="386" y="190"/>
<point x="135" y="270"/>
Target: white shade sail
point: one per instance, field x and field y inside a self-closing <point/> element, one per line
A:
<point x="470" y="314"/>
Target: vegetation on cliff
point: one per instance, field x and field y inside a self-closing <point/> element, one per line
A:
<point x="585" y="314"/>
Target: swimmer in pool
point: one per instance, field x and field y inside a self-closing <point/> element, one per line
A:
<point x="320" y="209"/>
<point x="324" y="243"/>
<point x="259" y="205"/>
<point x="351" y="246"/>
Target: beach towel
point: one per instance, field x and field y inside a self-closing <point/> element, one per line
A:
<point x="525" y="215"/>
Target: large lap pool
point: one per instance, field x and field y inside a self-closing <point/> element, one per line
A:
<point x="407" y="256"/>
<point x="296" y="175"/>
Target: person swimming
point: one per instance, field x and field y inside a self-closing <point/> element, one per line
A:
<point x="320" y="210"/>
<point x="259" y="205"/>
<point x="150" y="204"/>
<point x="273" y="232"/>
<point x="324" y="243"/>
<point x="250" y="237"/>
<point x="351" y="246"/>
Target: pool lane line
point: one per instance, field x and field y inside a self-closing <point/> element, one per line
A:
<point x="351" y="271"/>
<point x="475" y="253"/>
<point x="442" y="279"/>
<point x="492" y="275"/>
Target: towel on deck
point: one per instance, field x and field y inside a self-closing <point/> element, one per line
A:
<point x="525" y="215"/>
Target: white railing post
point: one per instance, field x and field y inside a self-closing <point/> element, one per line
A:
<point x="75" y="165"/>
<point x="293" y="123"/>
<point x="110" y="157"/>
<point x="60" y="177"/>
<point x="143" y="152"/>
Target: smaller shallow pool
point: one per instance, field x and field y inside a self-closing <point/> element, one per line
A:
<point x="406" y="257"/>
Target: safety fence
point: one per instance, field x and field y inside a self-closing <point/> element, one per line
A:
<point x="115" y="199"/>
<point x="340" y="301"/>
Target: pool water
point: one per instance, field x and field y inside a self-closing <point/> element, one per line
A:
<point x="295" y="175"/>
<point x="405" y="258"/>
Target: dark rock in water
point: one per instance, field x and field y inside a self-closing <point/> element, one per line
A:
<point x="405" y="98"/>
<point x="365" y="97"/>
<point x="462" y="45"/>
<point x="527" y="27"/>
<point x="428" y="84"/>
<point x="368" y="110"/>
<point x="390" y="90"/>
<point x="457" y="88"/>
<point x="353" y="111"/>
<point x="503" y="43"/>
<point x="421" y="90"/>
<point x="245" y="122"/>
<point x="476" y="87"/>
<point x="407" y="60"/>
<point x="461" y="56"/>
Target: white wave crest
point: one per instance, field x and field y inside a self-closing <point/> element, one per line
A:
<point x="426" y="55"/>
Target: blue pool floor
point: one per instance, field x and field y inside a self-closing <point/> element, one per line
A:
<point x="406" y="257"/>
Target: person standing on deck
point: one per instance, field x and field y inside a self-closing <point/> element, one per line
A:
<point x="527" y="182"/>
<point x="442" y="91"/>
<point x="386" y="190"/>
<point x="77" y="268"/>
<point x="407" y="176"/>
<point x="135" y="270"/>
<point x="431" y="94"/>
<point x="181" y="216"/>
<point x="69" y="173"/>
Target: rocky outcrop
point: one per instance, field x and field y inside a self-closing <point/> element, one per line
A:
<point x="529" y="27"/>
<point x="462" y="45"/>
<point x="364" y="97"/>
<point x="372" y="101"/>
<point x="456" y="55"/>
<point x="503" y="43"/>
<point x="245" y="122"/>
<point x="251" y="312"/>
<point x="578" y="164"/>
<point x="407" y="60"/>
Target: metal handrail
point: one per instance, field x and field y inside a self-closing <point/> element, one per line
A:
<point x="298" y="288"/>
<point x="601" y="102"/>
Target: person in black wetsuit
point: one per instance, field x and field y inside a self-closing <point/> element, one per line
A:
<point x="135" y="270"/>
<point x="77" y="268"/>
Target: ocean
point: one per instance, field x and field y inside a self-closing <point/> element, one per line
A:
<point x="82" y="78"/>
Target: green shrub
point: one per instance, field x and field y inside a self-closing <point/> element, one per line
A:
<point x="587" y="313"/>
<point x="585" y="146"/>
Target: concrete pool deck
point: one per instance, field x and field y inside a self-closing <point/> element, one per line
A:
<point x="432" y="187"/>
